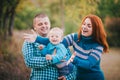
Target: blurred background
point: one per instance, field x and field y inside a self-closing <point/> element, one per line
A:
<point x="16" y="18"/>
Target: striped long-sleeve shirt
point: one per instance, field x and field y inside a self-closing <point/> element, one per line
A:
<point x="88" y="56"/>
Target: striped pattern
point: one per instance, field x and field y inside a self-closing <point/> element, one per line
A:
<point x="96" y="53"/>
<point x="86" y="49"/>
<point x="88" y="56"/>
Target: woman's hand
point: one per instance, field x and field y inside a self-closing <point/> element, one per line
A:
<point x="30" y="37"/>
<point x="71" y="58"/>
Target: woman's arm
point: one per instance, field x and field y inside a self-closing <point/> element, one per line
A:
<point x="93" y="58"/>
<point x="68" y="40"/>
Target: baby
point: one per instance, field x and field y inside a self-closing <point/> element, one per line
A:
<point x="57" y="52"/>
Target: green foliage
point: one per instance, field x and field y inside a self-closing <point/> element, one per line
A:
<point x="109" y="8"/>
<point x="113" y="27"/>
<point x="24" y="18"/>
<point x="70" y="27"/>
<point x="72" y="11"/>
<point x="55" y="15"/>
<point x="26" y="12"/>
<point x="76" y="10"/>
<point x="109" y="12"/>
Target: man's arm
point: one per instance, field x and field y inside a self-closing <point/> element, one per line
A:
<point x="32" y="61"/>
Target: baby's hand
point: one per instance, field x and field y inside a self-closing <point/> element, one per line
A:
<point x="48" y="57"/>
<point x="41" y="47"/>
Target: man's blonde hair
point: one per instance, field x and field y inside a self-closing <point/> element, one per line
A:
<point x="39" y="15"/>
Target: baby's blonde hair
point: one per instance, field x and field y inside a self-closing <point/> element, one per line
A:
<point x="57" y="30"/>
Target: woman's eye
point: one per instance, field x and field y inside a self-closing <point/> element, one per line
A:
<point x="89" y="26"/>
<point x="83" y="23"/>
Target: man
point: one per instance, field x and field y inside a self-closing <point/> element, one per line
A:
<point x="41" y="69"/>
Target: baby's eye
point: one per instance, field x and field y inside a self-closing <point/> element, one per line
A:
<point x="57" y="36"/>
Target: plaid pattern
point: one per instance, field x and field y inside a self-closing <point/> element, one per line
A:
<point x="41" y="69"/>
<point x="72" y="76"/>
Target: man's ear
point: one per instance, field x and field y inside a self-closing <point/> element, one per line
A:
<point x="35" y="29"/>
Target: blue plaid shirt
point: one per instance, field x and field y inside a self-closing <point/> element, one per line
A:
<point x="41" y="69"/>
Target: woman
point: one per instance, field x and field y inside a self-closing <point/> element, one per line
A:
<point x="89" y="44"/>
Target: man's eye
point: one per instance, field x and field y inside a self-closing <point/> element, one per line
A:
<point x="51" y="36"/>
<point x="40" y="24"/>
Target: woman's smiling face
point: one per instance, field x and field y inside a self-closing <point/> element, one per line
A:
<point x="87" y="27"/>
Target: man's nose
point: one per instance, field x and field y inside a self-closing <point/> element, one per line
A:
<point x="43" y="25"/>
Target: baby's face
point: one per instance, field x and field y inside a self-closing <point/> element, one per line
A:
<point x="55" y="37"/>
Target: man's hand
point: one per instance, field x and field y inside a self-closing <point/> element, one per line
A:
<point x="61" y="78"/>
<point x="48" y="57"/>
<point x="30" y="37"/>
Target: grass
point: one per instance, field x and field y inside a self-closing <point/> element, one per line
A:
<point x="111" y="64"/>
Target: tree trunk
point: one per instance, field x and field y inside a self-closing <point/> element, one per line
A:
<point x="11" y="18"/>
<point x="7" y="13"/>
<point x="5" y="22"/>
<point x="1" y="17"/>
<point x="11" y="22"/>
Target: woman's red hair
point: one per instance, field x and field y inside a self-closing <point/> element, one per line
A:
<point x="98" y="33"/>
